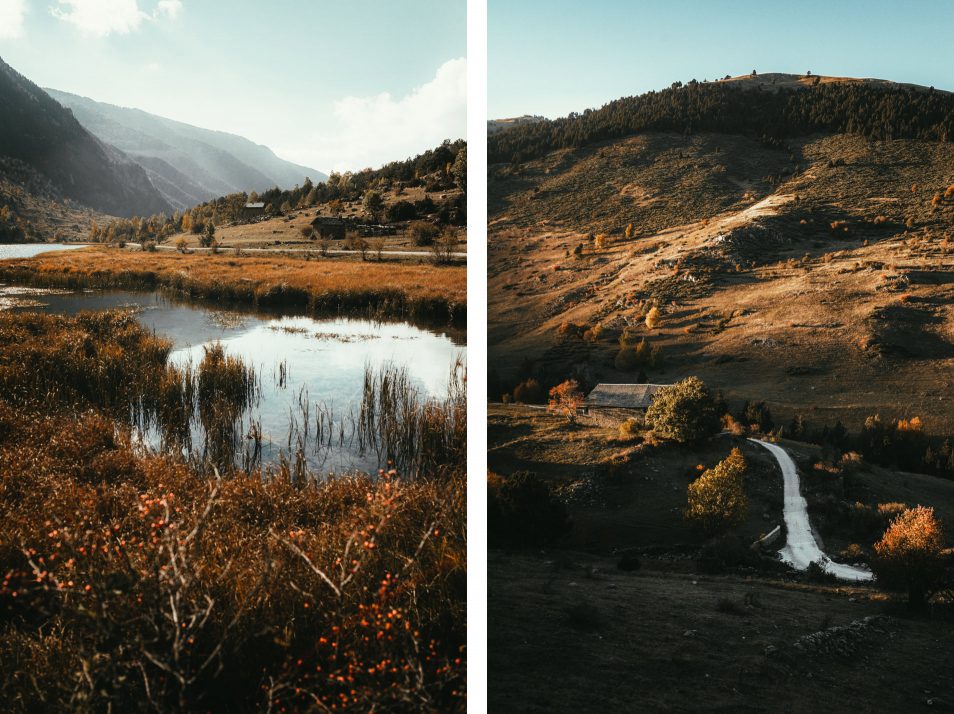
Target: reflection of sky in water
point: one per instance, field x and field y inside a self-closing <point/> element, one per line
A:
<point x="324" y="357"/>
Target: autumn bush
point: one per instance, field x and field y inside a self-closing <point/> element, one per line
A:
<point x="565" y="398"/>
<point x="653" y="317"/>
<point x="716" y="500"/>
<point x="909" y="555"/>
<point x="133" y="581"/>
<point x="684" y="412"/>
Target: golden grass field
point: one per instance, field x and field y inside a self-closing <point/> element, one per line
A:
<point x="759" y="295"/>
<point x="395" y="289"/>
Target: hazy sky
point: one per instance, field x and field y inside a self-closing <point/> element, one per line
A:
<point x="552" y="57"/>
<point x="332" y="84"/>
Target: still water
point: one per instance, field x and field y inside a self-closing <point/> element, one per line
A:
<point x="318" y="364"/>
<point x="28" y="250"/>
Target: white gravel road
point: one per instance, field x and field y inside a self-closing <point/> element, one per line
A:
<point x="801" y="549"/>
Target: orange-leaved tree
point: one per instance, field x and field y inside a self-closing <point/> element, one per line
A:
<point x="909" y="555"/>
<point x="566" y="398"/>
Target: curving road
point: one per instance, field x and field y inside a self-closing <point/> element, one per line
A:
<point x="801" y="549"/>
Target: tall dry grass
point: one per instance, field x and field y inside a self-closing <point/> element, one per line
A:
<point x="421" y="292"/>
<point x="133" y="581"/>
<point x="416" y="434"/>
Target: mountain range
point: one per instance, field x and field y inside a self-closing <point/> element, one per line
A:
<point x="187" y="164"/>
<point x="39" y="136"/>
<point x="122" y="161"/>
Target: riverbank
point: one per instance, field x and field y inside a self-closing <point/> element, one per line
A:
<point x="326" y="286"/>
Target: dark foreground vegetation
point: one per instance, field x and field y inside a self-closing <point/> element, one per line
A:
<point x="143" y="581"/>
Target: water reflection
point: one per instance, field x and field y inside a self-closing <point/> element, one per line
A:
<point x="310" y="371"/>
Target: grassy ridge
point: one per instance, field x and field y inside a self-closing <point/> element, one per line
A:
<point x="421" y="292"/>
<point x="133" y="580"/>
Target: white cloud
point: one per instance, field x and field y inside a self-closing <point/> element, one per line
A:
<point x="104" y="17"/>
<point x="169" y="8"/>
<point x="370" y="131"/>
<point x="11" y="18"/>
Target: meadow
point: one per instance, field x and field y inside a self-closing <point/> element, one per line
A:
<point x="426" y="292"/>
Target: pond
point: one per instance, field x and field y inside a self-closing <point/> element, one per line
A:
<point x="311" y="372"/>
<point x="28" y="250"/>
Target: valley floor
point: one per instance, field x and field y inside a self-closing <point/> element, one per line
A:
<point x="570" y="631"/>
<point x="591" y="638"/>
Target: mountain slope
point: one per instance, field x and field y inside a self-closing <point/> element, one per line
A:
<point x="188" y="164"/>
<point x="37" y="131"/>
<point x="814" y="273"/>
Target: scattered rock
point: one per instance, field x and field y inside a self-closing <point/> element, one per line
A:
<point x="842" y="640"/>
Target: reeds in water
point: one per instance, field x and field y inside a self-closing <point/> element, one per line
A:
<point x="418" y="435"/>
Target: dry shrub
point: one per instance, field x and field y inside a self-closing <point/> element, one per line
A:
<point x="593" y="334"/>
<point x="642" y="354"/>
<point x="653" y="318"/>
<point x="630" y="429"/>
<point x="422" y="233"/>
<point x="131" y="581"/>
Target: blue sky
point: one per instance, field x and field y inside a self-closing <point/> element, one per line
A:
<point x="556" y="56"/>
<point x="331" y="84"/>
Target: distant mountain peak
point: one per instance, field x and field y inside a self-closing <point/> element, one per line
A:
<point x="188" y="164"/>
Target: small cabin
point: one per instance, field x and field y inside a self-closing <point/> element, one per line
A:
<point x="612" y="404"/>
<point x="253" y="210"/>
<point x="331" y="228"/>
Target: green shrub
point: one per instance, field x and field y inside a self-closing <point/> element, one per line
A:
<point x="684" y="412"/>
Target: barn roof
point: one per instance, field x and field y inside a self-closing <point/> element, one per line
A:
<point x="255" y="205"/>
<point x="624" y="396"/>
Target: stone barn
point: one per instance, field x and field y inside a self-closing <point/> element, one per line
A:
<point x="612" y="404"/>
<point x="331" y="228"/>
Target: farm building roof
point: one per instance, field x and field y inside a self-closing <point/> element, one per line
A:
<point x="623" y="396"/>
<point x="255" y="205"/>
